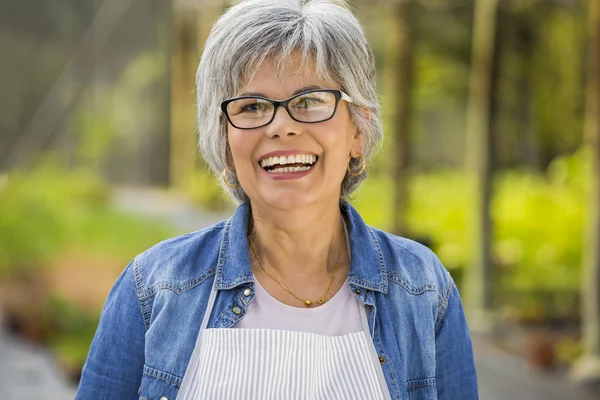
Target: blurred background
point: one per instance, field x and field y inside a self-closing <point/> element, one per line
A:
<point x="492" y="120"/>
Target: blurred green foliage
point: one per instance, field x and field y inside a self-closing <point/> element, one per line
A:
<point x="49" y="208"/>
<point x="46" y="211"/>
<point x="539" y="222"/>
<point x="41" y="210"/>
<point x="204" y="191"/>
<point x="72" y="333"/>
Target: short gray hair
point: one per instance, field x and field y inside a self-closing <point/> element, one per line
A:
<point x="252" y="31"/>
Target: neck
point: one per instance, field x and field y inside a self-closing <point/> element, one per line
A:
<point x="299" y="244"/>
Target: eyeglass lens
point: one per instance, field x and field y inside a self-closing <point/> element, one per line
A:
<point x="254" y="112"/>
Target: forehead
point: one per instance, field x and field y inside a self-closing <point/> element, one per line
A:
<point x="282" y="78"/>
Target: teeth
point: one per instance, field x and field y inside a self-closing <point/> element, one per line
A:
<point x="284" y="160"/>
<point x="284" y="170"/>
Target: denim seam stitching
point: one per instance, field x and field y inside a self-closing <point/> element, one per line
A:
<point x="163" y="376"/>
<point x="383" y="353"/>
<point x="380" y="260"/>
<point x="240" y="280"/>
<point x="222" y="251"/>
<point x="225" y="321"/>
<point x="139" y="288"/>
<point x="442" y="306"/>
<point x="410" y="288"/>
<point x="145" y="313"/>
<point x="365" y="284"/>
<point x="420" y="383"/>
<point x="177" y="288"/>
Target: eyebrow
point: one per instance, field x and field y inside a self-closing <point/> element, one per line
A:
<point x="302" y="89"/>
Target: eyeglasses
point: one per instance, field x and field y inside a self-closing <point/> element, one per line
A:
<point x="249" y="112"/>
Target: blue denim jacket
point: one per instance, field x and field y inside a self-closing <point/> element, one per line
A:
<point x="151" y="318"/>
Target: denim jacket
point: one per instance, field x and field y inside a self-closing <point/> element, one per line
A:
<point x="151" y="318"/>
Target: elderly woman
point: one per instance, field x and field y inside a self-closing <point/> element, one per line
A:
<point x="293" y="297"/>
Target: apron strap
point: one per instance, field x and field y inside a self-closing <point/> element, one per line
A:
<point x="209" y="307"/>
<point x="188" y="386"/>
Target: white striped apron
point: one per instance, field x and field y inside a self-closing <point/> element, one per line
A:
<point x="274" y="364"/>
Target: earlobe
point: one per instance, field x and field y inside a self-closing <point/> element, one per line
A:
<point x="357" y="147"/>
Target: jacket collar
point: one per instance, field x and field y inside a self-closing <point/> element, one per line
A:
<point x="367" y="268"/>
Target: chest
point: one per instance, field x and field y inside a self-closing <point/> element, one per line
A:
<point x="401" y="330"/>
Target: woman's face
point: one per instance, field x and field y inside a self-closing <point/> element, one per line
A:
<point x="330" y="142"/>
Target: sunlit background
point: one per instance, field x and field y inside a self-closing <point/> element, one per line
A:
<point x="492" y="119"/>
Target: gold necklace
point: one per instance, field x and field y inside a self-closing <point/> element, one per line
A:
<point x="307" y="302"/>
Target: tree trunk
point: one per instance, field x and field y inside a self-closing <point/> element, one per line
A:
<point x="403" y="80"/>
<point x="183" y="132"/>
<point x="587" y="369"/>
<point x="479" y="279"/>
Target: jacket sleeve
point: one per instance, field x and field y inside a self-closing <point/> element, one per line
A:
<point x="455" y="368"/>
<point x="114" y="365"/>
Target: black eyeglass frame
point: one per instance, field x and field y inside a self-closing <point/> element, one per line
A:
<point x="338" y="94"/>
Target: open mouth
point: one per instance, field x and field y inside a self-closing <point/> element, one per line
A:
<point x="287" y="164"/>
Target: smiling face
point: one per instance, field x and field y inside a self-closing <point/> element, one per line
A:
<point x="289" y="164"/>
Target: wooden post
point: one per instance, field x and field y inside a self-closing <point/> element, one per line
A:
<point x="587" y="368"/>
<point x="479" y="170"/>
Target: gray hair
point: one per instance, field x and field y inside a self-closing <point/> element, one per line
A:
<point x="252" y="31"/>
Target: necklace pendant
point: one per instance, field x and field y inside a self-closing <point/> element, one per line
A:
<point x="307" y="303"/>
<point x="321" y="301"/>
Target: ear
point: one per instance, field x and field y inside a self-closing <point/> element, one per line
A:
<point x="356" y="149"/>
<point x="359" y="138"/>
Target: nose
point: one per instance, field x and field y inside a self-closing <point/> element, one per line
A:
<point x="283" y="125"/>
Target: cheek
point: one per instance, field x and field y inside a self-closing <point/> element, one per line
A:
<point x="337" y="140"/>
<point x="240" y="145"/>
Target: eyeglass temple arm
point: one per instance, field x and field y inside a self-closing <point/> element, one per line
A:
<point x="346" y="98"/>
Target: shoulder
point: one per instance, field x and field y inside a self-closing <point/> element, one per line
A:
<point x="412" y="264"/>
<point x="180" y="261"/>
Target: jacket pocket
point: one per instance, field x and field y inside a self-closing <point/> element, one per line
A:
<point x="421" y="389"/>
<point x="158" y="385"/>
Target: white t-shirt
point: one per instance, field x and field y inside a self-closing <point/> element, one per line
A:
<point x="339" y="316"/>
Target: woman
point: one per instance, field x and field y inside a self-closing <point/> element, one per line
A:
<point x="294" y="297"/>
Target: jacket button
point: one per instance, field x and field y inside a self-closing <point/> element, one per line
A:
<point x="164" y="398"/>
<point x="357" y="291"/>
<point x="381" y="359"/>
<point x="247" y="292"/>
<point x="236" y="310"/>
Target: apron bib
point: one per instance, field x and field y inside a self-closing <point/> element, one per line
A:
<point x="263" y="364"/>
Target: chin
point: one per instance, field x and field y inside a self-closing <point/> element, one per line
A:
<point x="289" y="200"/>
